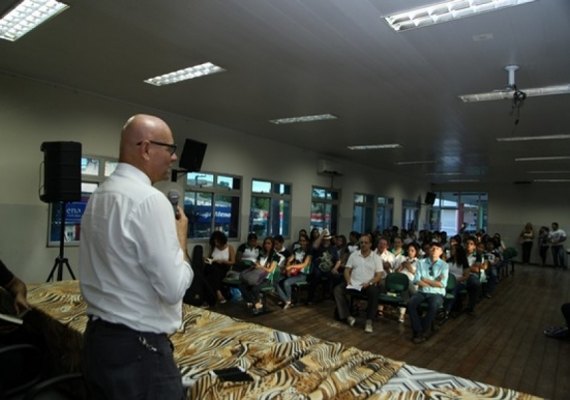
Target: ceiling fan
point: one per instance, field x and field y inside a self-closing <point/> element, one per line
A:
<point x="511" y="92"/>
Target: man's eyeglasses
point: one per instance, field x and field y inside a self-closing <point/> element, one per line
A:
<point x="431" y="270"/>
<point x="171" y="147"/>
<point x="361" y="243"/>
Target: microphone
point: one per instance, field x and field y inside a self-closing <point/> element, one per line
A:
<point x="173" y="197"/>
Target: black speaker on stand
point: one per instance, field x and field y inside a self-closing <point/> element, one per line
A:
<point x="62" y="184"/>
<point x="191" y="158"/>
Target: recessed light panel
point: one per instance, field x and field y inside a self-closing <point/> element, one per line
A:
<point x="196" y="71"/>
<point x="27" y="15"/>
<point x="446" y="11"/>
<point x="546" y="158"/>
<point x="529" y="138"/>
<point x="304" y="118"/>
<point x="375" y="146"/>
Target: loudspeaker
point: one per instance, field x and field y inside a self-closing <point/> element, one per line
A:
<point x="62" y="171"/>
<point x="430" y="198"/>
<point x="192" y="155"/>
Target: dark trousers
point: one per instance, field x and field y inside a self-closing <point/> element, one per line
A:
<point x="340" y="297"/>
<point x="215" y="274"/>
<point x="566" y="312"/>
<point x="558" y="256"/>
<point x="121" y="363"/>
<point x="421" y="325"/>
<point x="526" y="248"/>
<point x="543" y="250"/>
<point x="473" y="287"/>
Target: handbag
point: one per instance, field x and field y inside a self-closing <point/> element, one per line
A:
<point x="253" y="276"/>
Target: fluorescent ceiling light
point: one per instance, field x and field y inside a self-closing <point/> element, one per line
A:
<point x="463" y="180"/>
<point x="446" y="11"/>
<point x="508" y="94"/>
<point x="547" y="158"/>
<point x="552" y="180"/>
<point x="304" y="118"/>
<point x="444" y="173"/>
<point x="375" y="146"/>
<point x="414" y="162"/>
<point x="196" y="71"/>
<point x="548" y="172"/>
<point x="527" y="138"/>
<point x="27" y="15"/>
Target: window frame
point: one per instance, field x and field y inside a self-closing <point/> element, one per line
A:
<point x="274" y="196"/>
<point x="215" y="190"/>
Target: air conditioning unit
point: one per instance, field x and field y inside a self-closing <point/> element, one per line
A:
<point x="326" y="167"/>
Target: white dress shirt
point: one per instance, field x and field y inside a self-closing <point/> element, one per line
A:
<point x="131" y="267"/>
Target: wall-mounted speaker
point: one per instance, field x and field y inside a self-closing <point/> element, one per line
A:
<point x="192" y="155"/>
<point x="62" y="171"/>
<point x="430" y="198"/>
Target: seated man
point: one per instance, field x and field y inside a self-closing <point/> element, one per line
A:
<point x="325" y="266"/>
<point x="17" y="292"/>
<point x="363" y="272"/>
<point x="431" y="278"/>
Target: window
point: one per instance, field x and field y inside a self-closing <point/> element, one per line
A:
<point x="211" y="202"/>
<point x="270" y="211"/>
<point x="384" y="213"/>
<point x="455" y="212"/>
<point x="363" y="212"/>
<point x="94" y="170"/>
<point x="410" y="214"/>
<point x="324" y="208"/>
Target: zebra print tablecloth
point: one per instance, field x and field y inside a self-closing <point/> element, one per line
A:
<point x="283" y="366"/>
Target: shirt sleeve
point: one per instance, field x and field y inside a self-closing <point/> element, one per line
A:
<point x="5" y="275"/>
<point x="160" y="255"/>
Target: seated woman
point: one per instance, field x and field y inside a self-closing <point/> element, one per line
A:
<point x="255" y="276"/>
<point x="247" y="253"/>
<point x="296" y="270"/>
<point x="408" y="267"/>
<point x="459" y="266"/>
<point x="221" y="257"/>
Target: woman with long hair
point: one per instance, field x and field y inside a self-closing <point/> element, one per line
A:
<point x="296" y="270"/>
<point x="220" y="259"/>
<point x="252" y="278"/>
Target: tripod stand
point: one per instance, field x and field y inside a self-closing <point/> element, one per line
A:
<point x="60" y="260"/>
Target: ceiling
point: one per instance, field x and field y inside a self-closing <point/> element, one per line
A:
<point x="290" y="57"/>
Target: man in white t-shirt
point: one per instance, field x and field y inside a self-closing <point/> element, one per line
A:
<point x="557" y="238"/>
<point x="362" y="273"/>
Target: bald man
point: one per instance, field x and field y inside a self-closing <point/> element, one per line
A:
<point x="134" y="271"/>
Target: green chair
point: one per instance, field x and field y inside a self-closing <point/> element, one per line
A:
<point x="396" y="285"/>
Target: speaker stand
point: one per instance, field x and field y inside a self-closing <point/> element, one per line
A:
<point x="61" y="260"/>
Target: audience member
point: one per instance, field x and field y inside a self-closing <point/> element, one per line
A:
<point x="247" y="253"/>
<point x="325" y="265"/>
<point x="297" y="268"/>
<point x="557" y="239"/>
<point x="252" y="278"/>
<point x="431" y="278"/>
<point x="221" y="258"/>
<point x="16" y="289"/>
<point x="280" y="249"/>
<point x="385" y="255"/>
<point x="526" y="238"/>
<point x="134" y="271"/>
<point x="362" y="273"/>
<point x="543" y="243"/>
<point x="459" y="267"/>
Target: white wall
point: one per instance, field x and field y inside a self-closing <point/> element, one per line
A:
<point x="32" y="112"/>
